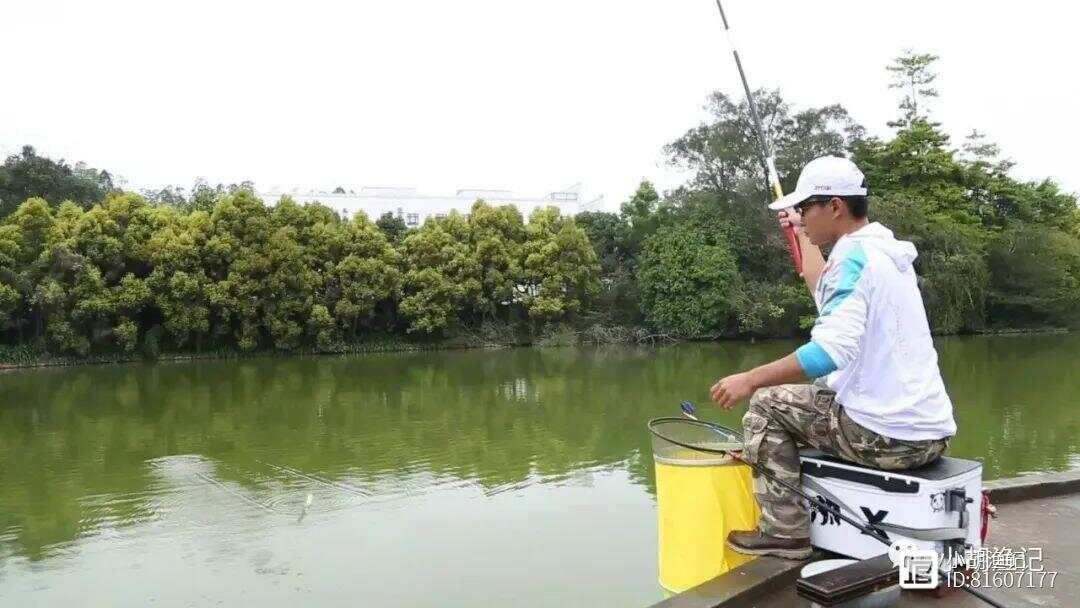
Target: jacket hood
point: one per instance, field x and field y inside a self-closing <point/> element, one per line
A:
<point x="878" y="237"/>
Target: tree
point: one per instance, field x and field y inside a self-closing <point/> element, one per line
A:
<point x="202" y="196"/>
<point x="953" y="204"/>
<point x="969" y="187"/>
<point x="724" y="155"/>
<point x="295" y="276"/>
<point x="559" y="267"/>
<point x="10" y="296"/>
<point x="984" y="154"/>
<point x="72" y="295"/>
<point x="918" y="164"/>
<point x="953" y="274"/>
<point x="725" y="198"/>
<point x="1036" y="277"/>
<point x="609" y="235"/>
<point x="443" y="276"/>
<point x="368" y="276"/>
<point x="238" y="260"/>
<point x="642" y="214"/>
<point x="205" y="197"/>
<point x="496" y="235"/>
<point x="686" y="277"/>
<point x="811" y="133"/>
<point x="179" y="280"/>
<point x="27" y="175"/>
<point x="89" y="279"/>
<point x="33" y="224"/>
<point x="393" y="227"/>
<point x="168" y="195"/>
<point x="913" y="75"/>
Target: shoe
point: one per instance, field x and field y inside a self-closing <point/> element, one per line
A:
<point x="754" y="542"/>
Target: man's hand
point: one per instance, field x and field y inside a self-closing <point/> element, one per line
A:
<point x="729" y="391"/>
<point x="813" y="261"/>
<point x="790" y="217"/>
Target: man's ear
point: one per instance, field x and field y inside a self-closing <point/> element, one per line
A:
<point x="836" y="206"/>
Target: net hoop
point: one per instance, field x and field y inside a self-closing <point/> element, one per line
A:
<point x="734" y="443"/>
<point x="686" y="462"/>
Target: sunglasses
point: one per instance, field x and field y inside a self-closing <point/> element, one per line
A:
<point x="810" y="202"/>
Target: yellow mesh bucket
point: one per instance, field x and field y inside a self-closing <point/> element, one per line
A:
<point x="700" y="498"/>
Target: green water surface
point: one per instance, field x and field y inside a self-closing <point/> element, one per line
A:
<point x="468" y="478"/>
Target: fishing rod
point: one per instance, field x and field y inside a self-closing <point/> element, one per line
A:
<point x="868" y="529"/>
<point x="770" y="159"/>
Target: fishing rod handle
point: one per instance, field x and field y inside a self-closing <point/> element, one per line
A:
<point x="794" y="248"/>
<point x="789" y="231"/>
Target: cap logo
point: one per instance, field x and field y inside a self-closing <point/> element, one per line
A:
<point x="823" y="187"/>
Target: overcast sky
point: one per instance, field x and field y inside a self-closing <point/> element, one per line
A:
<point x="527" y="96"/>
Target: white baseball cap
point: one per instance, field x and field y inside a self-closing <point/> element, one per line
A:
<point x="824" y="176"/>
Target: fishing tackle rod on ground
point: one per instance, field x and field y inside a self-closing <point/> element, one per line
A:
<point x="770" y="159"/>
<point x="868" y="529"/>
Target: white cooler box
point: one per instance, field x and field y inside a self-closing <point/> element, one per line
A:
<point x="941" y="501"/>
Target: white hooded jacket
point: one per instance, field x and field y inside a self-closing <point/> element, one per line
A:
<point x="872" y="340"/>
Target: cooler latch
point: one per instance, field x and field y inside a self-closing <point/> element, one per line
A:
<point x="957" y="500"/>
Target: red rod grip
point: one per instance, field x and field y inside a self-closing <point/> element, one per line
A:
<point x="793" y="247"/>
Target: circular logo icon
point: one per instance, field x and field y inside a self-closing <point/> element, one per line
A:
<point x="898" y="549"/>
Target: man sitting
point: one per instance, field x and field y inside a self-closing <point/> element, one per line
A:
<point x="877" y="398"/>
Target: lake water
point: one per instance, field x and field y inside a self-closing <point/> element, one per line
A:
<point x="437" y="479"/>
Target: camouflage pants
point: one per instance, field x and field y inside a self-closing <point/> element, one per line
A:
<point x="783" y="418"/>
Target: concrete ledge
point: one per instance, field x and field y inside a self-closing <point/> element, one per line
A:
<point x="768" y="574"/>
<point x="1039" y="485"/>
<point x="752" y="579"/>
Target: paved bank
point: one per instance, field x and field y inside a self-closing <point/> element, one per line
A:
<point x="1039" y="510"/>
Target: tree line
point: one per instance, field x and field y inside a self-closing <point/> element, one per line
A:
<point x="86" y="267"/>
<point x="128" y="274"/>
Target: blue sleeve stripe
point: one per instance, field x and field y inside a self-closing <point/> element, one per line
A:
<point x="814" y="360"/>
<point x="851" y="269"/>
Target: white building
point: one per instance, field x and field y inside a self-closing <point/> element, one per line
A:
<point x="415" y="208"/>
